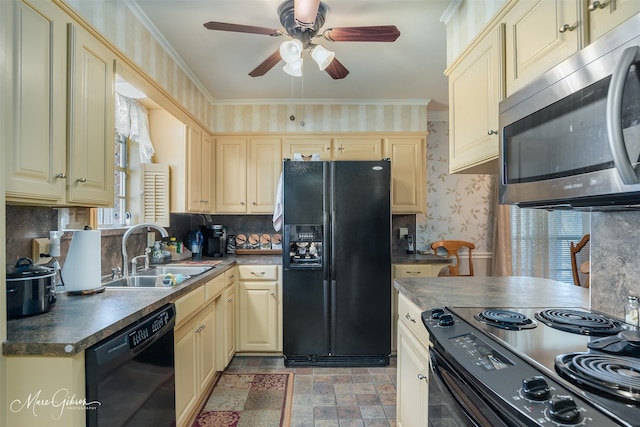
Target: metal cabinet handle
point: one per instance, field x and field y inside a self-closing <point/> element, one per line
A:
<point x="567" y="27"/>
<point x="254" y="204"/>
<point x="230" y="300"/>
<point x="597" y="5"/>
<point x="81" y="179"/>
<point x="408" y="316"/>
<point x="61" y="175"/>
<point x="258" y="273"/>
<point x="492" y="132"/>
<point x="413" y="272"/>
<point x="272" y="294"/>
<point x="422" y="377"/>
<point x="242" y="203"/>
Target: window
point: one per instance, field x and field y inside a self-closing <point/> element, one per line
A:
<point x="118" y="215"/>
<point x="541" y="241"/>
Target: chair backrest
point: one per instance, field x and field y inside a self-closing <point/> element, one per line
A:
<point x="580" y="261"/>
<point x="452" y="247"/>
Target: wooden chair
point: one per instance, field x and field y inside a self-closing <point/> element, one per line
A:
<point x="580" y="264"/>
<point x="452" y="247"/>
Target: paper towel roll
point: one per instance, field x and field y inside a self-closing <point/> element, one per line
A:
<point x="83" y="266"/>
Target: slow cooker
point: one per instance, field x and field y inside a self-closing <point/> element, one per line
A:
<point x="30" y="288"/>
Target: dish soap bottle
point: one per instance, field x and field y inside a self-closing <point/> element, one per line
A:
<point x="631" y="311"/>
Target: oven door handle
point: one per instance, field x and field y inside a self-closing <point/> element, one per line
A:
<point x="624" y="166"/>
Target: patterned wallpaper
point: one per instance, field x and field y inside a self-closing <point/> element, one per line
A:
<point x="458" y="206"/>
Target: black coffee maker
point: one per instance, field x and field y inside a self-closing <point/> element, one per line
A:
<point x="215" y="241"/>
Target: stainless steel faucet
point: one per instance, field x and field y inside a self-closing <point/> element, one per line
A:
<point x="125" y="257"/>
<point x="134" y="261"/>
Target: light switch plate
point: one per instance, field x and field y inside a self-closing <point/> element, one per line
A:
<point x="403" y="232"/>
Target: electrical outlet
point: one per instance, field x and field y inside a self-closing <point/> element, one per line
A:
<point x="403" y="232"/>
<point x="39" y="247"/>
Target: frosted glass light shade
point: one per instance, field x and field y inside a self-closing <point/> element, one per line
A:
<point x="291" y="50"/>
<point x="293" y="68"/>
<point x="322" y="56"/>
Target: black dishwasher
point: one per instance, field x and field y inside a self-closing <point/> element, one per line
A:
<point x="130" y="376"/>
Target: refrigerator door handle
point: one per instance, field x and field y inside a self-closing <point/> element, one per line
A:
<point x="333" y="317"/>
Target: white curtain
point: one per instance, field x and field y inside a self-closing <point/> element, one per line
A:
<point x="132" y="121"/>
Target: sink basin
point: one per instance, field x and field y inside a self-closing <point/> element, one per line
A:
<point x="185" y="270"/>
<point x="135" y="282"/>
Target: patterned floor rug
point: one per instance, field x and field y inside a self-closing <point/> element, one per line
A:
<point x="248" y="400"/>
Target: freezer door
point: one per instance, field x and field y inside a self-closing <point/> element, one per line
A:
<point x="360" y="258"/>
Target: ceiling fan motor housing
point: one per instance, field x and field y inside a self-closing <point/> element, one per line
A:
<point x="304" y="34"/>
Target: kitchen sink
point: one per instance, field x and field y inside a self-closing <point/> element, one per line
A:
<point x="185" y="270"/>
<point x="137" y="281"/>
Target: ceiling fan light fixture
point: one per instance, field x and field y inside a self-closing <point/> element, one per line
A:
<point x="294" y="69"/>
<point x="322" y="56"/>
<point x="291" y="50"/>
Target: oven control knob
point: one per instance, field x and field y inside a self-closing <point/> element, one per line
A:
<point x="536" y="388"/>
<point x="446" y="320"/>
<point x="563" y="410"/>
<point x="436" y="313"/>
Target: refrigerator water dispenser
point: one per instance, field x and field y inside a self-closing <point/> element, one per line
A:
<point x="304" y="243"/>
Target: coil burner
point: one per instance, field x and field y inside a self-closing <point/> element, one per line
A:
<point x="505" y="319"/>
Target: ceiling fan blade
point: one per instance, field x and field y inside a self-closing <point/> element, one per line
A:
<point x="267" y="64"/>
<point x="379" y="33"/>
<point x="224" y="26"/>
<point x="305" y="12"/>
<point x="336" y="70"/>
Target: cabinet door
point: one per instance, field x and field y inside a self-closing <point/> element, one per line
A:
<point x="91" y="121"/>
<point x="195" y="199"/>
<point x="229" y="298"/>
<point x="263" y="171"/>
<point x="605" y="15"/>
<point x="408" y="166"/>
<point x="475" y="89"/>
<point x="186" y="370"/>
<point x="356" y="148"/>
<point x="231" y="175"/>
<point x="307" y="146"/>
<point x="207" y="177"/>
<point x="35" y="157"/>
<point x="413" y="374"/>
<point x="539" y="35"/>
<point x="258" y="321"/>
<point x="205" y="335"/>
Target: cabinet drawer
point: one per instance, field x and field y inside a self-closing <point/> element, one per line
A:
<point x="214" y="287"/>
<point x="409" y="315"/>
<point x="189" y="304"/>
<point x="230" y="276"/>
<point x="414" y="270"/>
<point x="258" y="272"/>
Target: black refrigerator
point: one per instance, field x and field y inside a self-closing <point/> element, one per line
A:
<point x="337" y="263"/>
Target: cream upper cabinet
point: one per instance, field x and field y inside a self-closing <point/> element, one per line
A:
<point x="539" y="34"/>
<point x="60" y="149"/>
<point x="357" y="148"/>
<point x="259" y="326"/>
<point x="247" y="173"/>
<point x="604" y="15"/>
<point x="475" y="89"/>
<point x="307" y="146"/>
<point x="199" y="170"/>
<point x="408" y="169"/>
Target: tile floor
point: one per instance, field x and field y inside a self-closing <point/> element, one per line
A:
<point x="345" y="397"/>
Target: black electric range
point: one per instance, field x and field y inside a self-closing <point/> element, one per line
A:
<point x="536" y="366"/>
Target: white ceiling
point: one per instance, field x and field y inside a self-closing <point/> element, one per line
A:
<point x="408" y="70"/>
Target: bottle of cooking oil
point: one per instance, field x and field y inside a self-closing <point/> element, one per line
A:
<point x="631" y="311"/>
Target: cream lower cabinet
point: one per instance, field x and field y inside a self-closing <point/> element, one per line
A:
<point x="59" y="149"/>
<point x="406" y="270"/>
<point x="413" y="367"/>
<point x="259" y="327"/>
<point x="226" y="343"/>
<point x="475" y="89"/>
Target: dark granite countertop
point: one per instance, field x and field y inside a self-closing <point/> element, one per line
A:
<point x="77" y="322"/>
<point x="432" y="292"/>
<point x="419" y="259"/>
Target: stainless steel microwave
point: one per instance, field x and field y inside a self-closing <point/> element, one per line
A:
<point x="571" y="139"/>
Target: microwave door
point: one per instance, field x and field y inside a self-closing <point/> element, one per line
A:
<point x="623" y="115"/>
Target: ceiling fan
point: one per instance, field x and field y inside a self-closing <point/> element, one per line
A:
<point x="302" y="20"/>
